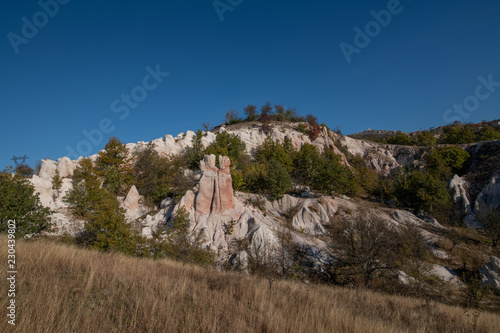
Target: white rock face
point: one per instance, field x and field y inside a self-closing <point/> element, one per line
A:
<point x="490" y="273"/>
<point x="489" y="198"/>
<point x="457" y="187"/>
<point x="53" y="199"/>
<point x="445" y="274"/>
<point x="48" y="169"/>
<point x="66" y="167"/>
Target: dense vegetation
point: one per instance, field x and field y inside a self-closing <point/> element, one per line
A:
<point x="456" y="133"/>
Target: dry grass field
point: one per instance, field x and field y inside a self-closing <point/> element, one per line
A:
<point x="66" y="289"/>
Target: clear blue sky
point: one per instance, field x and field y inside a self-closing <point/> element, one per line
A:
<point x="71" y="74"/>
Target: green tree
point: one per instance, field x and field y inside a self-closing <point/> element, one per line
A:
<point x="443" y="162"/>
<point x="106" y="229"/>
<point x="229" y="145"/>
<point x="306" y="163"/>
<point x="56" y="181"/>
<point x="487" y="133"/>
<point x="423" y="192"/>
<point x="85" y="191"/>
<point x="182" y="246"/>
<point x="458" y="134"/>
<point x="281" y="152"/>
<point x="20" y="202"/>
<point x="251" y="112"/>
<point x="114" y="165"/>
<point x="400" y="139"/>
<point x="333" y="176"/>
<point x="425" y="138"/>
<point x="157" y="178"/>
<point x="195" y="153"/>
<point x="365" y="248"/>
<point x="277" y="180"/>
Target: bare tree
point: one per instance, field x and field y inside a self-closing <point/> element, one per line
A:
<point x="365" y="247"/>
<point x="250" y="112"/>
<point x="231" y="116"/>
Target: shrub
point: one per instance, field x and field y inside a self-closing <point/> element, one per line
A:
<point x="400" y="139"/>
<point x="24" y="170"/>
<point x="181" y="246"/>
<point x="20" y="202"/>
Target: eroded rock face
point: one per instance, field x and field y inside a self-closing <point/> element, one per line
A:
<point x="457" y="187"/>
<point x="489" y="198"/>
<point x="215" y="193"/>
<point x="48" y="169"/>
<point x="490" y="273"/>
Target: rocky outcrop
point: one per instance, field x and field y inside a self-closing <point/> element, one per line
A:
<point x="490" y="273"/>
<point x="64" y="165"/>
<point x="489" y="198"/>
<point x="131" y="201"/>
<point x="458" y="190"/>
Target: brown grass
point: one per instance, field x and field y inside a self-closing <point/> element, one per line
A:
<point x="66" y="289"/>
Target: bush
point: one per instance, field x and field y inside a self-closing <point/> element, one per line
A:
<point x="19" y="202"/>
<point x="179" y="245"/>
<point x="400" y="139"/>
<point x="24" y="170"/>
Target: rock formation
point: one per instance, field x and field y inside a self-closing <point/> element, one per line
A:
<point x="489" y="198"/>
<point x="457" y="187"/>
<point x="131" y="201"/>
<point x="490" y="273"/>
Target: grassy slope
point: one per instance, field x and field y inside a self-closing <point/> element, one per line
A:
<point x="66" y="289"/>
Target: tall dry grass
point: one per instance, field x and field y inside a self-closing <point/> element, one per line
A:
<point x="66" y="289"/>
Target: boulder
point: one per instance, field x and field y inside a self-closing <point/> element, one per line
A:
<point x="490" y="273"/>
<point x="132" y="199"/>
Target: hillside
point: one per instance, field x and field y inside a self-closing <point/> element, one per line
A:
<point x="65" y="289"/>
<point x="291" y="200"/>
